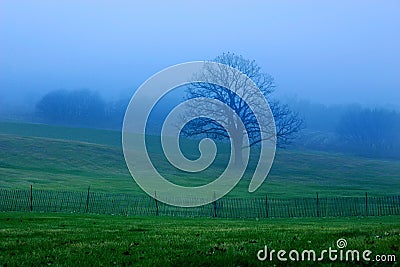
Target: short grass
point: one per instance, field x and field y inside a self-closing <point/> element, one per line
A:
<point x="34" y="239"/>
<point x="61" y="158"/>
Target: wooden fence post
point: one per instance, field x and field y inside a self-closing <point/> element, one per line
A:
<point x="266" y="205"/>
<point x="215" y="206"/>
<point x="31" y="207"/>
<point x="317" y="205"/>
<point x="155" y="198"/>
<point x="87" y="199"/>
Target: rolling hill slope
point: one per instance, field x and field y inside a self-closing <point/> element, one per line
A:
<point x="61" y="158"/>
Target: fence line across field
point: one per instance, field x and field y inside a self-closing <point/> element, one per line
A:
<point x="261" y="207"/>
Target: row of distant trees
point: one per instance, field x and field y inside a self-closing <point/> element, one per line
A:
<point x="366" y="131"/>
<point x="80" y="108"/>
<point x="371" y="132"/>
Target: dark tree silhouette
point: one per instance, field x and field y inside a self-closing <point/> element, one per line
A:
<point x="370" y="132"/>
<point x="79" y="107"/>
<point x="288" y="123"/>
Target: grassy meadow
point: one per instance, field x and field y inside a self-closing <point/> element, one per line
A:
<point x="62" y="158"/>
<point x="34" y="239"/>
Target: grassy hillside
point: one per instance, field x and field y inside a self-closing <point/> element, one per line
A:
<point x="104" y="137"/>
<point x="61" y="158"/>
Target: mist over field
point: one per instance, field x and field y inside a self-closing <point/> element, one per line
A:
<point x="336" y="64"/>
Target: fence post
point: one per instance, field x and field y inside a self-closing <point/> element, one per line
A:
<point x="317" y="205"/>
<point x="87" y="199"/>
<point x="366" y="203"/>
<point x="398" y="204"/>
<point x="215" y="206"/>
<point x="266" y="205"/>
<point x="31" y="207"/>
<point x="155" y="199"/>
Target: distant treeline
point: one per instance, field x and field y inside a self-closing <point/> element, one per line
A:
<point x="80" y="108"/>
<point x="373" y="132"/>
<point x="364" y="131"/>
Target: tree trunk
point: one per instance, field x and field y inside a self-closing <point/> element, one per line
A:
<point x="237" y="146"/>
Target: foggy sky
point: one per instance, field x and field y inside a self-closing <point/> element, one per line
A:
<point x="326" y="51"/>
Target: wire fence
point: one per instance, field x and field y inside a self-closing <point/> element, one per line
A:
<point x="124" y="204"/>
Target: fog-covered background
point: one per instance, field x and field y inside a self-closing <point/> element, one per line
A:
<point x="336" y="63"/>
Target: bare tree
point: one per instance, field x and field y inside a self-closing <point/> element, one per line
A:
<point x="288" y="123"/>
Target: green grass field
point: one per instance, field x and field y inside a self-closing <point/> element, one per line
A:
<point x="61" y="158"/>
<point x="34" y="239"/>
